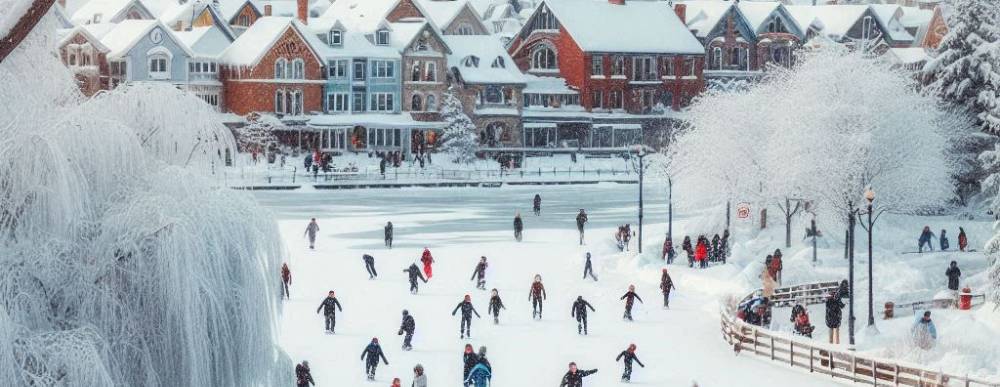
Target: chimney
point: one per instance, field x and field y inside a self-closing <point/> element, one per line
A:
<point x="616" y="2"/>
<point x="681" y="11"/>
<point x="267" y="10"/>
<point x="303" y="11"/>
<point x="62" y="3"/>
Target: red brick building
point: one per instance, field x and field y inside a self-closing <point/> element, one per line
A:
<point x="82" y="52"/>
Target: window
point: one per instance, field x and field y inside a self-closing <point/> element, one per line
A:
<point x="279" y="68"/>
<point x="546" y="21"/>
<point x="296" y="102"/>
<point x="498" y="63"/>
<point x="667" y="99"/>
<point x="72" y="59"/>
<point x="383" y="69"/>
<point x="243" y="20"/>
<point x="359" y="102"/>
<point x="422" y="45"/>
<point x="492" y="95"/>
<point x="416" y="103"/>
<point x="644" y="69"/>
<point x="159" y="66"/>
<point x="431" y="105"/>
<point x="85" y="59"/>
<point x="359" y="70"/>
<point x="279" y="101"/>
<point x="775" y="25"/>
<point x="415" y="71"/>
<point x="615" y="98"/>
<point x="97" y="18"/>
<point x="381" y="102"/>
<point x="647" y="98"/>
<point x="668" y="65"/>
<point x="382" y="37"/>
<point x="596" y="99"/>
<point x="298" y="69"/>
<point x="689" y="67"/>
<point x="734" y="57"/>
<point x="336" y="102"/>
<point x="471" y="61"/>
<point x="543" y="59"/>
<point x="597" y="65"/>
<point x="465" y="29"/>
<point x="717" y="58"/>
<point x="118" y="68"/>
<point x="867" y="28"/>
<point x="337" y="68"/>
<point x="618" y="65"/>
<point x="431" y="74"/>
<point x="336" y="38"/>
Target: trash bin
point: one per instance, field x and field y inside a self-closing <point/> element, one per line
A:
<point x="965" y="299"/>
<point x="889" y="310"/>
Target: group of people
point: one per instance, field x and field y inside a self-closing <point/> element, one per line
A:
<point x="623" y="236"/>
<point x="702" y="252"/>
<point x="926" y="236"/>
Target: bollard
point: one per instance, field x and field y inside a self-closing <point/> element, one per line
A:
<point x="965" y="299"/>
<point x="889" y="310"/>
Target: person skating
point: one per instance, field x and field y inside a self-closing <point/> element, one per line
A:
<point x="963" y="240"/>
<point x="834" y="314"/>
<point x="537" y="294"/>
<point x="802" y="325"/>
<point x="579" y="312"/>
<point x="629" y="356"/>
<point x="407" y="327"/>
<point x="303" y="376"/>
<point x="574" y="377"/>
<point x="627" y="235"/>
<point x="581" y="220"/>
<point x="370" y="356"/>
<point x="668" y="250"/>
<point x="370" y="265"/>
<point x="311" y="231"/>
<point x="427" y="259"/>
<point x="388" y="234"/>
<point x="286" y="278"/>
<point x="630" y="298"/>
<point x="666" y="284"/>
<point x="469" y="361"/>
<point x="479" y="273"/>
<point x="686" y="246"/>
<point x="419" y="379"/>
<point x="414" y="274"/>
<point x="518" y="226"/>
<point x="943" y="241"/>
<point x="588" y="269"/>
<point x="495" y="305"/>
<point x="465" y="326"/>
<point x="701" y="253"/>
<point x="925" y="239"/>
<point x="482" y="372"/>
<point x="536" y="205"/>
<point x="329" y="306"/>
<point x="953" y="274"/>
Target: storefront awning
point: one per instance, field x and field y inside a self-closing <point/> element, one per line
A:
<point x="539" y="125"/>
<point x="401" y="121"/>
<point x="620" y="126"/>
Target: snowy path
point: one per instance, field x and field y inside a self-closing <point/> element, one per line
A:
<point x="677" y="345"/>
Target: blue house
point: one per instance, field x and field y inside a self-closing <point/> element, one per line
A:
<point x="146" y="50"/>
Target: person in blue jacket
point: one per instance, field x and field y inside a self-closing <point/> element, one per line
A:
<point x="482" y="372"/>
<point x="924" y="332"/>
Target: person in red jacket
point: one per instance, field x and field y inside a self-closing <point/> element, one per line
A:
<point x="776" y="265"/>
<point x="701" y="253"/>
<point x="963" y="240"/>
<point x="427" y="259"/>
<point x="286" y="278"/>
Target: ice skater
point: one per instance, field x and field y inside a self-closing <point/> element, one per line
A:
<point x="495" y="305"/>
<point x="480" y="273"/>
<point x="581" y="220"/>
<point x="588" y="269"/>
<point x="286" y="278"/>
<point x="579" y="311"/>
<point x="427" y="259"/>
<point x="574" y="377"/>
<point x="666" y="284"/>
<point x="303" y="376"/>
<point x="408" y="326"/>
<point x="925" y="239"/>
<point x="629" y="355"/>
<point x="469" y="361"/>
<point x="330" y="305"/>
<point x="536" y="295"/>
<point x="482" y="372"/>
<point x="629" y="298"/>
<point x="536" y="205"/>
<point x="465" y="326"/>
<point x="388" y="235"/>
<point x="311" y="231"/>
<point x="518" y="226"/>
<point x="414" y="273"/>
<point x="370" y="356"/>
<point x="370" y="266"/>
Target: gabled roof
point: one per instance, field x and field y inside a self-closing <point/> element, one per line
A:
<point x="108" y="9"/>
<point x="120" y="39"/>
<point x="639" y="26"/>
<point x="805" y="17"/>
<point x="703" y="16"/>
<point x="230" y="8"/>
<point x="403" y="34"/>
<point x="486" y="48"/>
<point x="82" y="30"/>
<point x="837" y="20"/>
<point x="60" y="13"/>
<point x="757" y="13"/>
<point x="443" y="13"/>
<point x="907" y="55"/>
<point x="257" y="40"/>
<point x="914" y="17"/>
<point x="355" y="44"/>
<point x="888" y="16"/>
<point x="202" y="42"/>
<point x="364" y="15"/>
<point x="190" y="10"/>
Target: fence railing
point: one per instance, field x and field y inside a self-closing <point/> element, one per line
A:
<point x="912" y="308"/>
<point x="301" y="176"/>
<point x="835" y="362"/>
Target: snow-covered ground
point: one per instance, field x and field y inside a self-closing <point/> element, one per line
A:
<point x="678" y="346"/>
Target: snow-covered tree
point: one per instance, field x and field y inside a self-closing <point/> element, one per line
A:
<point x="258" y="134"/>
<point x="123" y="265"/>
<point x="459" y="139"/>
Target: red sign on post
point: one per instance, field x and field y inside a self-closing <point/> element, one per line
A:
<point x="743" y="210"/>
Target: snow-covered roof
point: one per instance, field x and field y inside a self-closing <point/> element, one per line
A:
<point x="126" y="34"/>
<point x="907" y="55"/>
<point x="67" y="34"/>
<point x="888" y="16"/>
<point x="229" y="8"/>
<point x="187" y="12"/>
<point x="546" y="85"/>
<point x="758" y="12"/>
<point x="355" y="44"/>
<point x="492" y="65"/>
<point x="398" y="120"/>
<point x="639" y="26"/>
<point x="837" y="20"/>
<point x="805" y="17"/>
<point x="202" y="41"/>
<point x="251" y="46"/>
<point x="405" y="32"/>
<point x="702" y="16"/>
<point x="363" y="15"/>
<point x="442" y="13"/>
<point x="107" y="9"/>
<point x="914" y="17"/>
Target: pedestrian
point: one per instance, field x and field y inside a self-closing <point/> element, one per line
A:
<point x="574" y="377"/>
<point x="469" y="361"/>
<point x="381" y="167"/>
<point x="776" y="266"/>
<point x="724" y="245"/>
<point x="414" y="274"/>
<point x="330" y="305"/>
<point x="307" y="162"/>
<point x="620" y="237"/>
<point x="303" y="376"/>
<point x="370" y="356"/>
<point x="802" y="325"/>
<point x="427" y="259"/>
<point x="666" y="284"/>
<point x="480" y="272"/>
<point x="579" y="311"/>
<point x="408" y="326"/>
<point x="482" y="372"/>
<point x="388" y="235"/>
<point x="767" y="283"/>
<point x="536" y="205"/>
<point x="370" y="265"/>
<point x="755" y="311"/>
<point x="701" y="252"/>
<point x="844" y="291"/>
<point x="419" y="379"/>
<point x="629" y="356"/>
<point x="588" y="269"/>
<point x="686" y="246"/>
<point x="537" y="294"/>
<point x="715" y="255"/>
<point x="286" y="278"/>
<point x="465" y="326"/>
<point x="627" y="235"/>
<point x="963" y="240"/>
<point x="924" y="332"/>
<point x="953" y="274"/>
<point x="925" y="238"/>
<point x="581" y="220"/>
<point x="668" y="250"/>
<point x="518" y="226"/>
<point x="395" y="382"/>
<point x="943" y="241"/>
<point x="630" y="298"/>
<point x="311" y="231"/>
<point x="834" y="313"/>
<point x="495" y="305"/>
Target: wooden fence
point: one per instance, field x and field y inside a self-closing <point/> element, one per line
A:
<point x="829" y="360"/>
<point x="912" y="308"/>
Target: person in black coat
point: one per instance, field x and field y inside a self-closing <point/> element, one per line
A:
<point x="629" y="355"/>
<point x="370" y="355"/>
<point x="588" y="269"/>
<point x="414" y="273"/>
<point x="465" y="326"/>
<point x="953" y="274"/>
<point x="408" y="326"/>
<point x="518" y="226"/>
<point x="469" y="360"/>
<point x="581" y="220"/>
<point x="666" y="284"/>
<point x="330" y="305"/>
<point x="834" y="314"/>
<point x="388" y="235"/>
<point x="630" y="298"/>
<point x="844" y="291"/>
<point x="370" y="265"/>
<point x="574" y="377"/>
<point x="495" y="305"/>
<point x="686" y="246"/>
<point x="536" y="204"/>
<point x="579" y="311"/>
<point x="480" y="273"/>
<point x="303" y="376"/>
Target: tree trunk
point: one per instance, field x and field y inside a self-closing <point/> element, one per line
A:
<point x="23" y="27"/>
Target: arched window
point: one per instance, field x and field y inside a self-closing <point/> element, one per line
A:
<point x="415" y="72"/>
<point x="297" y="103"/>
<point x="422" y="45"/>
<point x="734" y="56"/>
<point x="465" y="29"/>
<point x="298" y="69"/>
<point x="72" y="59"/>
<point x="717" y="58"/>
<point x="416" y="104"/>
<point x="471" y="61"/>
<point x="279" y="68"/>
<point x="279" y="101"/>
<point x="543" y="59"/>
<point x="85" y="59"/>
<point x="431" y="74"/>
<point x="431" y="103"/>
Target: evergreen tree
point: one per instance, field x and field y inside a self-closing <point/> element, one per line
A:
<point x="459" y="138"/>
<point x="257" y="134"/>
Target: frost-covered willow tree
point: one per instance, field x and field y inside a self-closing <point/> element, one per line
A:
<point x="458" y="140"/>
<point x="849" y="123"/>
<point x="122" y="264"/>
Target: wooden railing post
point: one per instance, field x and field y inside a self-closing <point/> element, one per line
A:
<point x="811" y="359"/>
<point x="772" y="348"/>
<point x="791" y="353"/>
<point x="755" y="341"/>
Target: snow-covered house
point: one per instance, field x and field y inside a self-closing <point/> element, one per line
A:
<point x="728" y="38"/>
<point x="504" y="18"/>
<point x="454" y="17"/>
<point x="890" y="19"/>
<point x="146" y="50"/>
<point x="876" y="27"/>
<point x="776" y="31"/>
<point x="931" y="34"/>
<point x="83" y="53"/>
<point x="907" y="58"/>
<point x="111" y="11"/>
<point x="490" y="86"/>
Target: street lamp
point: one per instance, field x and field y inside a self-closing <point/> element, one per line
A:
<point x="640" y="152"/>
<point x="870" y="197"/>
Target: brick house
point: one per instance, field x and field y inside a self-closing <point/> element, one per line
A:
<point x="239" y="14"/>
<point x="874" y="26"/>
<point x="930" y="35"/>
<point x="728" y="38"/>
<point x="84" y="54"/>
<point x="454" y="17"/>
<point x="776" y="33"/>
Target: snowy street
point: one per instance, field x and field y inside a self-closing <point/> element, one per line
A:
<point x="678" y="346"/>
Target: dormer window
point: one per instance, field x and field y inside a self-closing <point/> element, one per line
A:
<point x="336" y="38"/>
<point x="382" y="37"/>
<point x="422" y="45"/>
<point x="97" y="18"/>
<point x="465" y="29"/>
<point x="498" y="63"/>
<point x="471" y="61"/>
